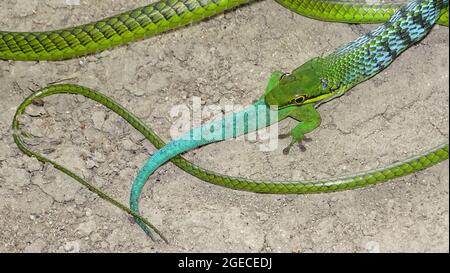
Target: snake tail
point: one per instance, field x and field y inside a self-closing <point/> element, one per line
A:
<point x="18" y="134"/>
<point x="402" y="168"/>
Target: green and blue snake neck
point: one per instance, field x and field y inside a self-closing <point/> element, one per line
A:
<point x="296" y="94"/>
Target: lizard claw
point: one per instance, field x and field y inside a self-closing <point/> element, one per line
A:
<point x="300" y="142"/>
<point x="288" y="148"/>
<point x="302" y="147"/>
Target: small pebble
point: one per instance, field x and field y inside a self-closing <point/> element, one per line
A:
<point x="72" y="247"/>
<point x="87" y="228"/>
<point x="90" y="164"/>
<point x="35" y="247"/>
<point x="88" y="212"/>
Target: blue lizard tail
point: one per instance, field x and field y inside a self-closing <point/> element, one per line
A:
<point x="250" y="119"/>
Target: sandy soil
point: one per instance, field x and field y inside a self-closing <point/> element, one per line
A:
<point x="402" y="111"/>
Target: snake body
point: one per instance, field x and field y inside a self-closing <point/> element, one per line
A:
<point x="345" y="67"/>
<point x="165" y="15"/>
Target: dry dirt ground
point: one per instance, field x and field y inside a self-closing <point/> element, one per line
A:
<point x="400" y="112"/>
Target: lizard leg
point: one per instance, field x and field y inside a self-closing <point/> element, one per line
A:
<point x="309" y="119"/>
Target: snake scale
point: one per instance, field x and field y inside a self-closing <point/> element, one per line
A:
<point x="165" y="15"/>
<point x="350" y="65"/>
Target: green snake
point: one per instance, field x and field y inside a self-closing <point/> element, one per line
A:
<point x="347" y="67"/>
<point x="166" y="15"/>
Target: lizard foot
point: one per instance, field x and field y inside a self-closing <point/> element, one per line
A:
<point x="300" y="145"/>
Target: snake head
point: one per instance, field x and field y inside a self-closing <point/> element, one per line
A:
<point x="300" y="87"/>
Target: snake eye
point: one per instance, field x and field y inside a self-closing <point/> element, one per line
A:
<point x="324" y="83"/>
<point x="299" y="100"/>
<point x="285" y="75"/>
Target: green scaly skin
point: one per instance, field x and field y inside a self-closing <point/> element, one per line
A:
<point x="166" y="15"/>
<point x="306" y="115"/>
<point x="348" y="11"/>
